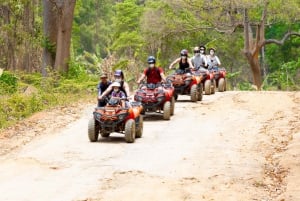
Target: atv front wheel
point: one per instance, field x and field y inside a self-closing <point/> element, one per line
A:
<point x="200" y="92"/>
<point x="172" y="105"/>
<point x="194" y="92"/>
<point x="139" y="129"/>
<point x="221" y="84"/>
<point x="93" y="130"/>
<point x="207" y="87"/>
<point x="130" y="130"/>
<point x="167" y="110"/>
<point x="214" y="86"/>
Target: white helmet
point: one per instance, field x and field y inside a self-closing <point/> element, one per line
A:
<point x="116" y="84"/>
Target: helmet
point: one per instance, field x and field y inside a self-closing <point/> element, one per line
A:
<point x="116" y="84"/>
<point x="104" y="75"/>
<point x="203" y="47"/>
<point x="119" y="73"/>
<point x="184" y="52"/>
<point x="196" y="49"/>
<point x="151" y="59"/>
<point x="212" y="48"/>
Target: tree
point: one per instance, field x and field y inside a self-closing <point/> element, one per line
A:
<point x="58" y="20"/>
<point x="20" y="35"/>
<point x="252" y="47"/>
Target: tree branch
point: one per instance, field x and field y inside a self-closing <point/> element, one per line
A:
<point x="281" y="42"/>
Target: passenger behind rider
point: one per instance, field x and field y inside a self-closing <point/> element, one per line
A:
<point x="102" y="86"/>
<point x="153" y="73"/>
<point x="213" y="61"/>
<point x="117" y="93"/>
<point x="183" y="61"/>
<point x="199" y="60"/>
<point x="118" y="77"/>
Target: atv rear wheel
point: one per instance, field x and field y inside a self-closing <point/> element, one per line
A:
<point x="93" y="130"/>
<point x="221" y="84"/>
<point x="139" y="129"/>
<point x="172" y="105"/>
<point x="167" y="110"/>
<point x="207" y="87"/>
<point x="130" y="130"/>
<point x="200" y="92"/>
<point x="194" y="92"/>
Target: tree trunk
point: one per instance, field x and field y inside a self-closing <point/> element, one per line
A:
<point x="252" y="48"/>
<point x="65" y="21"/>
<point x="255" y="68"/>
<point x="50" y="34"/>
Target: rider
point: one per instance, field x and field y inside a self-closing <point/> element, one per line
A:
<point x="203" y="52"/>
<point x="183" y="60"/>
<point x="118" y="93"/>
<point x="198" y="60"/>
<point x="153" y="73"/>
<point x="102" y="86"/>
<point x="213" y="61"/>
<point x="119" y="77"/>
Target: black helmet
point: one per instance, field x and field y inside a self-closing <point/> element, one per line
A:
<point x="151" y="60"/>
<point x="202" y="47"/>
<point x="184" y="52"/>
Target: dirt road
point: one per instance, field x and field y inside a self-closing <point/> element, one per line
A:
<point x="230" y="146"/>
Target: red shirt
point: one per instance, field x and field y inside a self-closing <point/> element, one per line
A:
<point x="153" y="75"/>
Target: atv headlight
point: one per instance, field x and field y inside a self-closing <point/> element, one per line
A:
<point x="122" y="116"/>
<point x="97" y="116"/>
<point x="139" y="98"/>
<point x="160" y="99"/>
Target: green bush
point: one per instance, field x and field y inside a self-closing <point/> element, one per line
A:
<point x="48" y="92"/>
<point x="8" y="83"/>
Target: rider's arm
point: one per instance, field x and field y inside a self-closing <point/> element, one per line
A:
<point x="218" y="61"/>
<point x="190" y="63"/>
<point x="141" y="78"/>
<point x="99" y="89"/>
<point x="105" y="93"/>
<point x="174" y="62"/>
<point x="205" y="60"/>
<point x="162" y="75"/>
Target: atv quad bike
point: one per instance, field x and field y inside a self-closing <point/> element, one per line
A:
<point x="156" y="98"/>
<point x="187" y="83"/>
<point x="219" y="75"/>
<point x="115" y="118"/>
<point x="208" y="82"/>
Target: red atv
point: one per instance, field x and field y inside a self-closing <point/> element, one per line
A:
<point x="156" y="97"/>
<point x="219" y="75"/>
<point x="208" y="82"/>
<point x="186" y="83"/>
<point x="115" y="118"/>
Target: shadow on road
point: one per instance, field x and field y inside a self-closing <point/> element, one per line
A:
<point x="153" y="117"/>
<point x="114" y="139"/>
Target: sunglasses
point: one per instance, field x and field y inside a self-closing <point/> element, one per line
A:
<point x="197" y="51"/>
